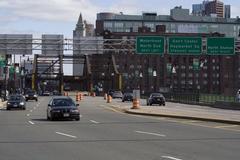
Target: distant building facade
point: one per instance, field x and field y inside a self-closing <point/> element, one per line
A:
<point x="213" y="8"/>
<point x="227" y="11"/>
<point x="179" y="21"/>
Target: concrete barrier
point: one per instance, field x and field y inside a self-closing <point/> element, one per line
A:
<point x="227" y="105"/>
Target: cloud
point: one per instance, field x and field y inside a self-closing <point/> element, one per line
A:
<point x="49" y="10"/>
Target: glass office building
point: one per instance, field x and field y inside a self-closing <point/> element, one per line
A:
<point x="179" y="21"/>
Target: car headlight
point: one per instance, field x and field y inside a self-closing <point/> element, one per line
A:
<point x="35" y="95"/>
<point x="8" y="103"/>
<point x="74" y="111"/>
<point x="21" y="103"/>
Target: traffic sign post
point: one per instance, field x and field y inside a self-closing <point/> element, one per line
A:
<point x="150" y="45"/>
<point x="185" y="45"/>
<point x="220" y="46"/>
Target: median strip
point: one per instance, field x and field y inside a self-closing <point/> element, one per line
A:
<point x="149" y="133"/>
<point x="67" y="135"/>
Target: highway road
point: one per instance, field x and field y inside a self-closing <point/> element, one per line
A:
<point x="103" y="134"/>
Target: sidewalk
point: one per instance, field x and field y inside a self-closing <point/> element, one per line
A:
<point x="2" y="104"/>
<point x="184" y="111"/>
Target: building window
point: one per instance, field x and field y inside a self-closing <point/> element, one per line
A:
<point x="205" y="75"/>
<point x="190" y="75"/>
<point x="183" y="67"/>
<point x="190" y="67"/>
<point x="118" y="25"/>
<point x="183" y="75"/>
<point x="213" y="60"/>
<point x="183" y="82"/>
<point x="108" y="25"/>
<point x="205" y="67"/>
<point x="205" y="82"/>
<point x="213" y="67"/>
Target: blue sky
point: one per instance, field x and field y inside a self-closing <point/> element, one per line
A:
<point x="60" y="16"/>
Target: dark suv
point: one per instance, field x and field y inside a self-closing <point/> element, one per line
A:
<point x="156" y="98"/>
<point x="31" y="95"/>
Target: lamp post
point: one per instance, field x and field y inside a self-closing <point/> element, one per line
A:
<point x="141" y="76"/>
<point x="155" y="79"/>
<point x="112" y="75"/>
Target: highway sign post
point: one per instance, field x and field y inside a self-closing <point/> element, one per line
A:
<point x="220" y="46"/>
<point x="150" y="45"/>
<point x="185" y="45"/>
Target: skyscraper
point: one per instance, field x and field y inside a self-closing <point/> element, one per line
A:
<point x="227" y="11"/>
<point x="215" y="7"/>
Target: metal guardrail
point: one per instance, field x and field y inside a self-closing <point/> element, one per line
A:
<point x="198" y="98"/>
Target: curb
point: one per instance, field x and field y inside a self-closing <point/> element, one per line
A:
<point x="183" y="117"/>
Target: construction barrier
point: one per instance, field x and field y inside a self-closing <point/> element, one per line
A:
<point x="109" y="99"/>
<point x="65" y="94"/>
<point x="80" y="96"/>
<point x="105" y="96"/>
<point x="77" y="97"/>
<point x="136" y="104"/>
<point x="93" y="94"/>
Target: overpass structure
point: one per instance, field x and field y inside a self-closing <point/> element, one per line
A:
<point x="98" y="58"/>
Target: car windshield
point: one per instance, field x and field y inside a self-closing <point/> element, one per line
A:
<point x="31" y="92"/>
<point x="62" y="102"/>
<point x="15" y="98"/>
<point x="157" y="95"/>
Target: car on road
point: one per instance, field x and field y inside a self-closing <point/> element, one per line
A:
<point x="156" y="98"/>
<point x="127" y="97"/>
<point x="117" y="94"/>
<point x="62" y="107"/>
<point x="46" y="93"/>
<point x="16" y="101"/>
<point x="31" y="95"/>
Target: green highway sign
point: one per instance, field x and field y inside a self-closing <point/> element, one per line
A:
<point x="196" y="64"/>
<point x="220" y="46"/>
<point x="185" y="45"/>
<point x="150" y="45"/>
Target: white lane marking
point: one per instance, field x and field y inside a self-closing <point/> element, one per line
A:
<point x="154" y="134"/>
<point x="80" y="115"/>
<point x="31" y="110"/>
<point x="68" y="135"/>
<point x="28" y="115"/>
<point x="34" y="107"/>
<point x="226" y="126"/>
<point x="169" y="157"/>
<point x="31" y="122"/>
<point x="94" y="122"/>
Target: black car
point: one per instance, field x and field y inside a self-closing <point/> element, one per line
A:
<point x="16" y="101"/>
<point x="62" y="107"/>
<point x="117" y="94"/>
<point x="127" y="97"/>
<point x="31" y="95"/>
<point x="156" y="98"/>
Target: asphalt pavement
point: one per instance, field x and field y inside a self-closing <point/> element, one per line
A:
<point x="104" y="133"/>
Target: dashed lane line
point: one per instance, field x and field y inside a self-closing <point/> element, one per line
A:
<point x="150" y="133"/>
<point x="94" y="121"/>
<point x="170" y="157"/>
<point x="64" y="134"/>
<point x="31" y="122"/>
